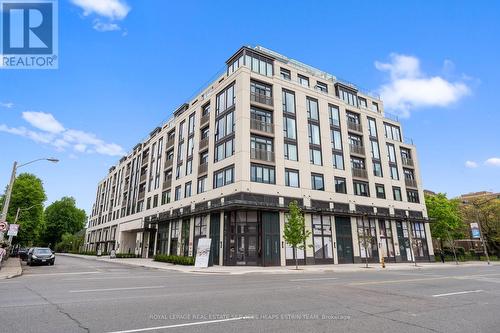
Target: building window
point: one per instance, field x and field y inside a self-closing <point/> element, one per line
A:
<point x="392" y="153"/>
<point x="303" y="80"/>
<point x="372" y="127"/>
<point x="340" y="185"/>
<point x="178" y="190"/>
<point x="336" y="139"/>
<point x="263" y="116"/>
<point x="225" y="99"/>
<point x="202" y="184"/>
<point x="317" y="182"/>
<point x="165" y="197"/>
<point x="291" y="151"/>
<point x="353" y="118"/>
<point x="224" y="150"/>
<point x="259" y="64"/>
<point x="362" y="102"/>
<point x="190" y="146"/>
<point x="204" y="133"/>
<point x="323" y="87"/>
<point x="289" y="128"/>
<point x="261" y="148"/>
<point x="200" y="230"/>
<point x="205" y="109"/>
<point x="315" y="156"/>
<point x="204" y="157"/>
<point x="334" y="115"/>
<point x="285" y="74"/>
<point x="377" y="169"/>
<point x="394" y="172"/>
<point x="392" y="132"/>
<point x="348" y="96"/>
<point x="380" y="189"/>
<point x="261" y="92"/>
<point x="148" y="203"/>
<point x="396" y="193"/>
<point x="361" y="189"/>
<point x="366" y="227"/>
<point x="288" y="101"/>
<point x="412" y="196"/>
<point x="338" y="161"/>
<point x="155" y="201"/>
<point x="312" y="108"/>
<point x="224" y="126"/>
<point x="187" y="190"/>
<point x="322" y="237"/>
<point x="191" y="122"/>
<point x="292" y="178"/>
<point x="374" y="107"/>
<point x="262" y="174"/>
<point x="418" y="231"/>
<point x="181" y="130"/>
<point x="375" y="149"/>
<point x="314" y="135"/>
<point x="224" y="177"/>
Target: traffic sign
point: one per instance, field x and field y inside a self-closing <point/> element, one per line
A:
<point x="4" y="226"/>
<point x="13" y="230"/>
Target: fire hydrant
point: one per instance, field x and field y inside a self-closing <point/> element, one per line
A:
<point x="382" y="262"/>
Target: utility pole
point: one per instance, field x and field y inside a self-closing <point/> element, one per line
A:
<point x="8" y="193"/>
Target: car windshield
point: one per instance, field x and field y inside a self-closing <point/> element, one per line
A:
<point x="43" y="251"/>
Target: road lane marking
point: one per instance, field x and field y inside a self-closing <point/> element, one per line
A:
<point x="114" y="289"/>
<point x="458" y="293"/>
<point x="312" y="279"/>
<point x="68" y="273"/>
<point x="182" y="325"/>
<point x="399" y="281"/>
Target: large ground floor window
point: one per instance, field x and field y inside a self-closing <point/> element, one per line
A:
<point x="367" y="236"/>
<point x="322" y="238"/>
<point x="386" y="240"/>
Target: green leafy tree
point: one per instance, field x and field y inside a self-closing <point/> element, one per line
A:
<point x="295" y="234"/>
<point x="27" y="192"/>
<point x="488" y="212"/>
<point x="446" y="218"/>
<point x="62" y="217"/>
<point x="70" y="242"/>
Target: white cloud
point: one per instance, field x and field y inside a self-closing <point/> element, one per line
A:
<point x="52" y="132"/>
<point x="410" y="88"/>
<point x="493" y="161"/>
<point x="7" y="105"/>
<point x="101" y="26"/>
<point x="44" y="121"/>
<point x="471" y="164"/>
<point x="112" y="9"/>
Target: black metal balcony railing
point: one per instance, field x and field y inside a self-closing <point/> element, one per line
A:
<point x="203" y="168"/>
<point x="145" y="159"/>
<point x="169" y="163"/>
<point x="355" y="149"/>
<point x="167" y="183"/>
<point x="261" y="126"/>
<point x="359" y="173"/>
<point x="407" y="162"/>
<point x="204" y="119"/>
<point x="143" y="177"/>
<point x="141" y="195"/>
<point x="170" y="143"/>
<point x="262" y="155"/>
<point x="203" y="143"/>
<point x="354" y="126"/>
<point x="261" y="98"/>
<point x="410" y="182"/>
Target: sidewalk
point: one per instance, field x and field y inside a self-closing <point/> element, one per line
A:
<point x="11" y="268"/>
<point x="239" y="270"/>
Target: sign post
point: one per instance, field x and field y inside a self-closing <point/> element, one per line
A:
<point x="202" y="253"/>
<point x="474" y="227"/>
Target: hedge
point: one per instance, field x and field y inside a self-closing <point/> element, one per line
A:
<point x="176" y="260"/>
<point x="127" y="255"/>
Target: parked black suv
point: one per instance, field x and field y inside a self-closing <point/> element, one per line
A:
<point x="40" y="255"/>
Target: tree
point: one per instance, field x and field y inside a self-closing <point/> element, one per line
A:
<point x="294" y="233"/>
<point x="27" y="192"/>
<point x="70" y="242"/>
<point x="366" y="242"/>
<point x="62" y="217"/>
<point x="446" y="218"/>
<point x="488" y="212"/>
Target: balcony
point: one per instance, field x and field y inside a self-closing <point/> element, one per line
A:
<point x="170" y="143"/>
<point x="204" y="119"/>
<point x="262" y="155"/>
<point x="407" y="162"/>
<point x="167" y="183"/>
<point x="355" y="149"/>
<point x="411" y="182"/>
<point x="169" y="163"/>
<point x="143" y="177"/>
<point x="359" y="173"/>
<point x="261" y="126"/>
<point x="145" y="160"/>
<point x="203" y="168"/>
<point x="261" y="98"/>
<point x="203" y="143"/>
<point x="354" y="126"/>
<point x="124" y="202"/>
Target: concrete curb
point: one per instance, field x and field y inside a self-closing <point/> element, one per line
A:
<point x="11" y="268"/>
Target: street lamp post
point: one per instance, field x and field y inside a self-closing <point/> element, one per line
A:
<point x="8" y="193"/>
<point x="19" y="209"/>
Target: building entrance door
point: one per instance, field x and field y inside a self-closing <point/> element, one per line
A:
<point x="215" y="236"/>
<point x="242" y="238"/>
<point x="271" y="238"/>
<point x="404" y="241"/>
<point x="344" y="240"/>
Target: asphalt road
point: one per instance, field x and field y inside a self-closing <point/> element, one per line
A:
<point x="80" y="295"/>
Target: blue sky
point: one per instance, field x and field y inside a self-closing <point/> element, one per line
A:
<point x="124" y="66"/>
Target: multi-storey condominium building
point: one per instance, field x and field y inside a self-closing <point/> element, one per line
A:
<point x="268" y="131"/>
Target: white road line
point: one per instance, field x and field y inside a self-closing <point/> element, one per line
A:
<point x="182" y="325"/>
<point x="312" y="279"/>
<point x="69" y="273"/>
<point x="458" y="293"/>
<point x="114" y="289"/>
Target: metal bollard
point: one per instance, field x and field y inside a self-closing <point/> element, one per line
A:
<point x="382" y="262"/>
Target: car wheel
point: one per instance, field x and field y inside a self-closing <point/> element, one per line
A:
<point x="52" y="263"/>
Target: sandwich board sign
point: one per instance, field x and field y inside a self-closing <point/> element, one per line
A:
<point x="202" y="253"/>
